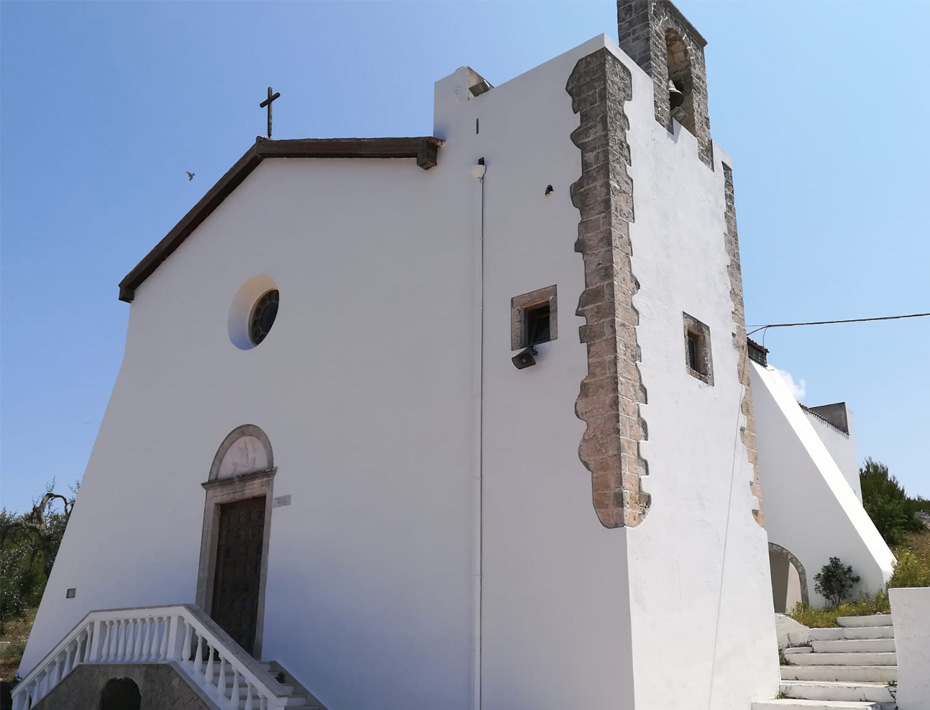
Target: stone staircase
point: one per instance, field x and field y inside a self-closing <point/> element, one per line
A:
<point x="300" y="698"/>
<point x="852" y="667"/>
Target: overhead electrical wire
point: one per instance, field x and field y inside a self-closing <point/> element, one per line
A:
<point x="830" y="322"/>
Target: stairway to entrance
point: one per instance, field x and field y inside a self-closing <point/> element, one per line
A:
<point x="852" y="667"/>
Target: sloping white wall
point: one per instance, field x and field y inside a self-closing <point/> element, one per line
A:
<point x="364" y="388"/>
<point x="842" y="448"/>
<point x="810" y="508"/>
<point x="703" y="629"/>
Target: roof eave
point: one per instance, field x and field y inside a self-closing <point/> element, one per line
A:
<point x="424" y="149"/>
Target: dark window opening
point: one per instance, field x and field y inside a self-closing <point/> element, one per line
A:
<point x="537" y="324"/>
<point x="698" y="359"/>
<point x="694" y="353"/>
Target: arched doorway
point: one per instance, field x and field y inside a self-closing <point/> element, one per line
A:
<point x="235" y="538"/>
<point x="120" y="694"/>
<point x="789" y="579"/>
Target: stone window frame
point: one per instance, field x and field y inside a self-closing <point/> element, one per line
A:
<point x="220" y="491"/>
<point x="519" y="305"/>
<point x="695" y="328"/>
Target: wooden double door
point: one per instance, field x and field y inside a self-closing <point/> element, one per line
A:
<point x="237" y="576"/>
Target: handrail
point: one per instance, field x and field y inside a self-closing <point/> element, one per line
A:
<point x="182" y="634"/>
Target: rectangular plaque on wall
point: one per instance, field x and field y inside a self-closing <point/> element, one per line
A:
<point x="281" y="501"/>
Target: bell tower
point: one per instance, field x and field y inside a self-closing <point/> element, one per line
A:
<point x="660" y="39"/>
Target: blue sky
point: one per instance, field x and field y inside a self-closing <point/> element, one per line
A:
<point x="823" y="107"/>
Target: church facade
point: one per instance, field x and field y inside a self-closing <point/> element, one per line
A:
<point x="454" y="421"/>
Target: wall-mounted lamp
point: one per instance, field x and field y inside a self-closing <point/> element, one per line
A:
<point x="525" y="359"/>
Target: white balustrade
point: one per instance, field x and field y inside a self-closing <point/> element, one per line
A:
<point x="182" y="635"/>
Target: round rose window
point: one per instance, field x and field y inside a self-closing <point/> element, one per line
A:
<point x="263" y="315"/>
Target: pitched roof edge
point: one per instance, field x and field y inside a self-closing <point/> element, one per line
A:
<point x="425" y="149"/>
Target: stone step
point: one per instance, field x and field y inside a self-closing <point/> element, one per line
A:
<point x="844" y="659"/>
<point x="791" y="650"/>
<point x="860" y="621"/>
<point x="833" y="690"/>
<point x="861" y="632"/>
<point x="796" y="704"/>
<point x="848" y="674"/>
<point x="854" y="646"/>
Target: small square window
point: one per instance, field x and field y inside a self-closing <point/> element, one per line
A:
<point x="697" y="350"/>
<point x="71" y="593"/>
<point x="533" y="318"/>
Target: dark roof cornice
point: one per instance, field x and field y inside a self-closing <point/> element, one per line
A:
<point x="424" y="149"/>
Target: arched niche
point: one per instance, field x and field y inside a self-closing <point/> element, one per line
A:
<point x="245" y="450"/>
<point x="679" y="73"/>
<point x="789" y="579"/>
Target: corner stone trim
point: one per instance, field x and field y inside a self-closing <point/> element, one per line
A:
<point x="642" y="27"/>
<point x="612" y="392"/>
<point x="748" y="432"/>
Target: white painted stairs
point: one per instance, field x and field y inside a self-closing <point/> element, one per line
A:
<point x="852" y="667"/>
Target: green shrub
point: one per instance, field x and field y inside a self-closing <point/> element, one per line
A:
<point x="909" y="571"/>
<point x="864" y="605"/>
<point x="887" y="504"/>
<point x="834" y="581"/>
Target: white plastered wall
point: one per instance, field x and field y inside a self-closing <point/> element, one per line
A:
<point x="842" y="448"/>
<point x="910" y="611"/>
<point x="555" y="611"/>
<point x="371" y="590"/>
<point x="364" y="389"/>
<point x="810" y="508"/>
<point x="703" y="628"/>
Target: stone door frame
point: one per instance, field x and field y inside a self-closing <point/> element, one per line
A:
<point x="219" y="491"/>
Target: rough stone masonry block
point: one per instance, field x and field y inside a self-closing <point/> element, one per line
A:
<point x="603" y="196"/>
<point x="748" y="433"/>
<point x="646" y="30"/>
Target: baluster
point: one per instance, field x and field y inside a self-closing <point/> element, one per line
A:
<point x="120" y="640"/>
<point x="50" y="675"/>
<point x="165" y="637"/>
<point x="186" y="646"/>
<point x="93" y="641"/>
<point x="112" y="631"/>
<point x="248" y="697"/>
<point x="198" y="655"/>
<point x="100" y="647"/>
<point x="153" y="636"/>
<point x="221" y="678"/>
<point x="234" y="697"/>
<point x="208" y="672"/>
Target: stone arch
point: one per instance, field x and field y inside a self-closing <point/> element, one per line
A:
<point x="783" y="590"/>
<point x="238" y="490"/>
<point x="678" y="62"/>
<point x="120" y="694"/>
<point x="246" y="449"/>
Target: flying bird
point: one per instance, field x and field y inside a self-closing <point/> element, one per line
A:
<point x="190" y="175"/>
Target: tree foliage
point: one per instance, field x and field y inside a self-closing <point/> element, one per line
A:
<point x="29" y="543"/>
<point x="909" y="571"/>
<point x="834" y="581"/>
<point x="887" y="503"/>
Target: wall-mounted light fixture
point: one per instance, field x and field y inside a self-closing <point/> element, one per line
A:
<point x="525" y="359"/>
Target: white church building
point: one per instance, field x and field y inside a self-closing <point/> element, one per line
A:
<point x="461" y="421"/>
